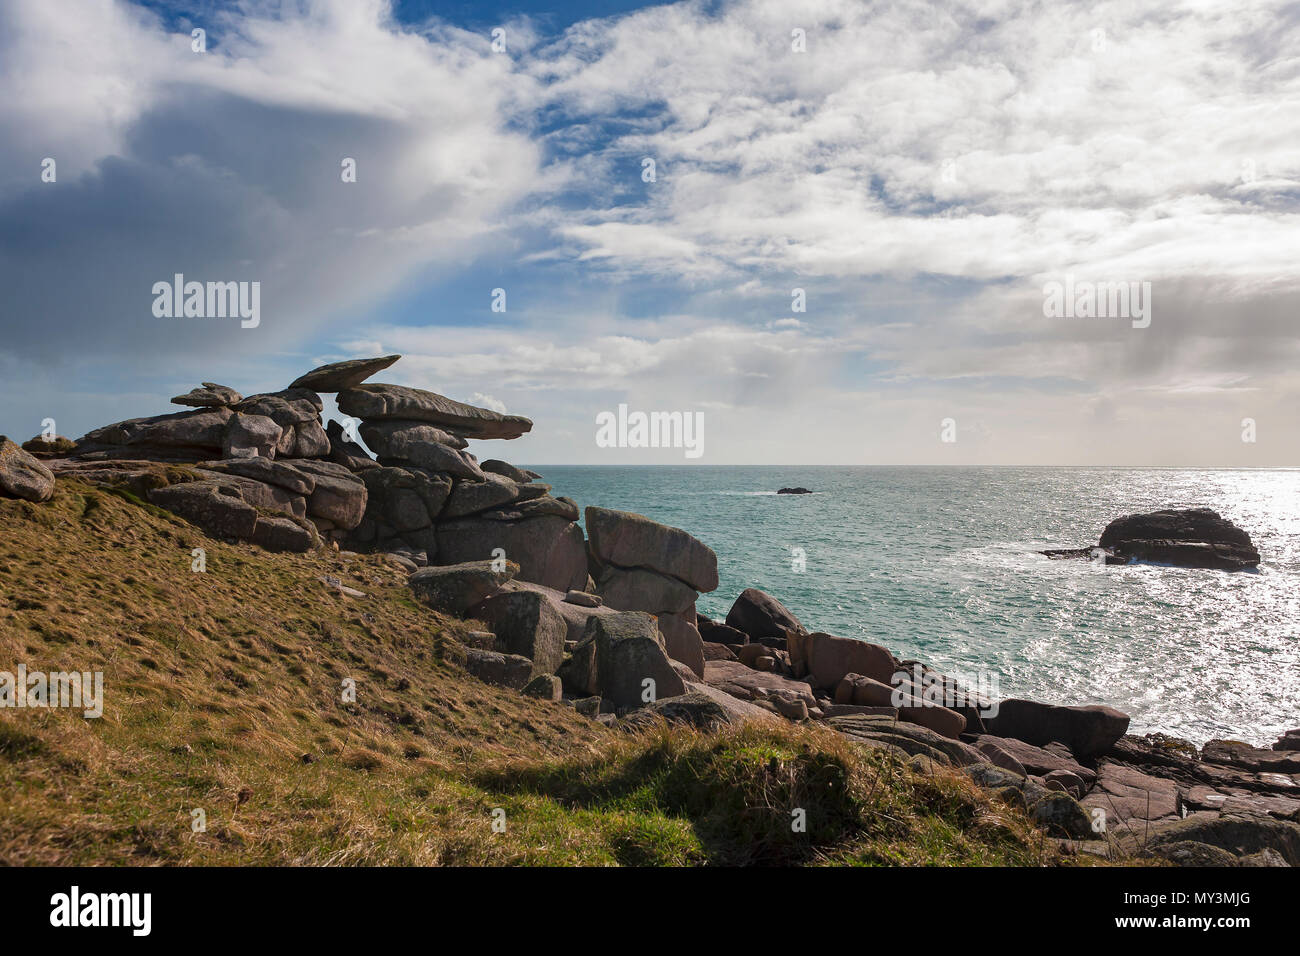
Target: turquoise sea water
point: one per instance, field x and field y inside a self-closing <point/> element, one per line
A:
<point x="939" y="564"/>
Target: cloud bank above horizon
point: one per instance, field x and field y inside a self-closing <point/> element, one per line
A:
<point x="919" y="171"/>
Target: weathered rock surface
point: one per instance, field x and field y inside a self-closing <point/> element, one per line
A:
<point x="618" y="654"/>
<point x="682" y="641"/>
<point x="544" y="687"/>
<point x="1131" y="799"/>
<point x="744" y="683"/>
<point x="548" y="549"/>
<point x="706" y="708"/>
<point x="525" y="623"/>
<point x="902" y="737"/>
<point x="1061" y="815"/>
<point x="376" y="401"/>
<point x="493" y="667"/>
<point x="283" y="534"/>
<point x="638" y="589"/>
<point x="758" y="615"/>
<point x="863" y="691"/>
<point x="496" y="466"/>
<point x="456" y="588"/>
<point x="22" y="475"/>
<point x="265" y="470"/>
<point x="190" y="435"/>
<point x="1235" y="753"/>
<point x="218" y="509"/>
<point x="471" y="497"/>
<point x="1038" y="760"/>
<point x="251" y="436"/>
<point x="336" y="376"/>
<point x="828" y="658"/>
<point x="1088" y="731"/>
<point x="211" y="395"/>
<point x="338" y="496"/>
<point x="399" y="439"/>
<point x="631" y="540"/>
<point x="1238" y="833"/>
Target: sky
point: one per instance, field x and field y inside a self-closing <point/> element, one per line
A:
<point x="914" y="175"/>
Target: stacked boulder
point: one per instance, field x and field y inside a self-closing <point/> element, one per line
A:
<point x="257" y="469"/>
<point x="640" y="565"/>
<point x="431" y="501"/>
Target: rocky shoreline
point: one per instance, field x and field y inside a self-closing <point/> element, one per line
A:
<point x="602" y="616"/>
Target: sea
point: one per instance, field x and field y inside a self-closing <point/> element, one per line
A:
<point x="939" y="564"/>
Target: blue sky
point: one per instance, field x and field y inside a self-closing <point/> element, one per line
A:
<point x="919" y="170"/>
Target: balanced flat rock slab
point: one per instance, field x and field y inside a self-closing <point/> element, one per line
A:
<point x="336" y="376"/>
<point x="376" y="401"/>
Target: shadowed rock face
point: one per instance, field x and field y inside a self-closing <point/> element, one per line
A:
<point x="1186" y="538"/>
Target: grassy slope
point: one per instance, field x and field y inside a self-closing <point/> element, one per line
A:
<point x="223" y="692"/>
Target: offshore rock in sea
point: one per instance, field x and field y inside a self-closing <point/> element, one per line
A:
<point x="1185" y="538"/>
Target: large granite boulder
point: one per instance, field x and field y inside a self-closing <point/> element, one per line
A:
<point x="760" y="615"/>
<point x="338" y="496"/>
<point x="636" y="589"/>
<point x="251" y="436"/>
<point x="22" y="475"/>
<point x="217" y="508"/>
<point x="191" y="435"/>
<point x="471" y="497"/>
<point x="682" y="639"/>
<point x="618" y="655"/>
<point x="454" y="589"/>
<point x="402" y="500"/>
<point x="548" y="549"/>
<point x="1088" y="731"/>
<point x="337" y="376"/>
<point x="828" y="659"/>
<point x="631" y="540"/>
<point x="395" y="438"/>
<point x="493" y="667"/>
<point x="525" y="623"/>
<point x="375" y="401"/>
<point x="265" y="470"/>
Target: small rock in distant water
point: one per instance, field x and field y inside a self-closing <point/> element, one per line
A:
<point x="794" y="491"/>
